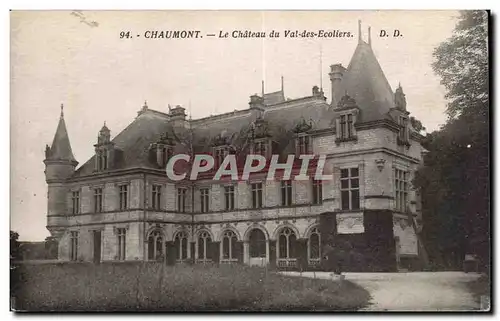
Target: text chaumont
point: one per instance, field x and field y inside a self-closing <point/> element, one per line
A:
<point x="172" y="34"/>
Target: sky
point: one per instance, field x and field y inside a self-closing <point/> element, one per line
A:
<point x="78" y="59"/>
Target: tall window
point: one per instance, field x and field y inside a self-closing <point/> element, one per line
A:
<point x="205" y="199"/>
<point x="73" y="246"/>
<point x="314" y="248"/>
<point x="98" y="200"/>
<point x="122" y="245"/>
<point x="156" y="197"/>
<point x="287" y="240"/>
<point x="181" y="244"/>
<point x="155" y="245"/>
<point x="401" y="188"/>
<point x="123" y="196"/>
<point x="317" y="192"/>
<point x="203" y="244"/>
<point x="229" y="197"/>
<point x="349" y="188"/>
<point x="228" y="245"/>
<point x="303" y="145"/>
<point x="286" y="193"/>
<point x="181" y="199"/>
<point x="75" y="200"/>
<point x="346" y="126"/>
<point x="257" y="195"/>
<point x="260" y="148"/>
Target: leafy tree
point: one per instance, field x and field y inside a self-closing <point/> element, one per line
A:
<point x="14" y="245"/>
<point x="454" y="182"/>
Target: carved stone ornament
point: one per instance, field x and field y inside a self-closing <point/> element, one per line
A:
<point x="303" y="126"/>
<point x="399" y="98"/>
<point x="380" y="164"/>
<point x="347" y="102"/>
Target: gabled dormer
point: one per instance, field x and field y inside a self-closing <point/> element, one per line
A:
<point x="261" y="138"/>
<point x="302" y="138"/>
<point x="220" y="148"/>
<point x="347" y="112"/>
<point x="104" y="150"/>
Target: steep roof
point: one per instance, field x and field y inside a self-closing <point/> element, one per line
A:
<point x="365" y="81"/>
<point x="61" y="147"/>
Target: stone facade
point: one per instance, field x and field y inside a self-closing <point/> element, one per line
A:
<point x="368" y="210"/>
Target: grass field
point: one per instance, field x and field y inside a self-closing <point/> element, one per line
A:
<point x="152" y="286"/>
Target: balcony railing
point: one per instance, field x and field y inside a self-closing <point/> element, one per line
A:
<point x="314" y="262"/>
<point x="228" y="261"/>
<point x="287" y="263"/>
<point x="203" y="261"/>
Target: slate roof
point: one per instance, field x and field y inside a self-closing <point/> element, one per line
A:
<point x="61" y="147"/>
<point x="363" y="80"/>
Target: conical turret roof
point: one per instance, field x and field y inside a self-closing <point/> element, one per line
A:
<point x="61" y="147"/>
<point x="365" y="81"/>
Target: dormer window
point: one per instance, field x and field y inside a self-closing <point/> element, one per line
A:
<point x="219" y="154"/>
<point x="346" y="126"/>
<point x="166" y="153"/>
<point x="102" y="160"/>
<point x="302" y="144"/>
<point x="404" y="133"/>
<point x="260" y="148"/>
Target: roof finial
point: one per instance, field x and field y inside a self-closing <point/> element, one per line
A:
<point x="370" y="36"/>
<point x="62" y="111"/>
<point x="359" y="32"/>
<point x="262" y="88"/>
<point x="282" y="85"/>
<point x="104" y="123"/>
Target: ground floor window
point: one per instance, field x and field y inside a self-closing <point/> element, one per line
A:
<point x="257" y="241"/>
<point x="314" y="248"/>
<point x="122" y="245"/>
<point x="181" y="244"/>
<point x="73" y="246"/>
<point x="155" y="245"/>
<point x="228" y="245"/>
<point x="287" y="243"/>
<point x="203" y="243"/>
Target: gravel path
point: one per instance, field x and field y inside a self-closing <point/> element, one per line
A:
<point x="412" y="291"/>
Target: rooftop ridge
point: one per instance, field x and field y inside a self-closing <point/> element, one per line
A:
<point x="226" y="115"/>
<point x="293" y="101"/>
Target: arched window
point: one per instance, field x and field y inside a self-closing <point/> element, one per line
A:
<point x="228" y="245"/>
<point x="257" y="241"/>
<point x="314" y="245"/>
<point x="286" y="243"/>
<point x="155" y="245"/>
<point x="181" y="244"/>
<point x="203" y="241"/>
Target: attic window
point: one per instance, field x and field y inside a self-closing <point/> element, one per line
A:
<point x="403" y="135"/>
<point x="166" y="153"/>
<point x="302" y="144"/>
<point x="102" y="160"/>
<point x="260" y="148"/>
<point x="345" y="127"/>
<point x="220" y="153"/>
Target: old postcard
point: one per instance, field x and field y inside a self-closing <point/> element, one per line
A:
<point x="250" y="161"/>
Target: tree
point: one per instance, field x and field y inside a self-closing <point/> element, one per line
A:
<point x="14" y="245"/>
<point x="454" y="182"/>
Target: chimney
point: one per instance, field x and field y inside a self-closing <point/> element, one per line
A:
<point x="178" y="116"/>
<point x="336" y="74"/>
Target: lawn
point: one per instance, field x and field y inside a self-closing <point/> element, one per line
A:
<point x="152" y="286"/>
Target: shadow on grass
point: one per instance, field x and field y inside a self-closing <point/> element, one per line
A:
<point x="154" y="287"/>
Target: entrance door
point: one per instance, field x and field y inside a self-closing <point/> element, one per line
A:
<point x="97" y="246"/>
<point x="257" y="245"/>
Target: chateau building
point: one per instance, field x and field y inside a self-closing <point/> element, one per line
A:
<point x="121" y="206"/>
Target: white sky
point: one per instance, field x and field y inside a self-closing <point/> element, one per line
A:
<point x="57" y="59"/>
